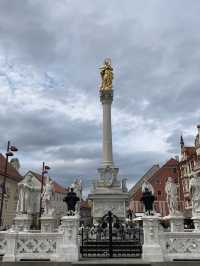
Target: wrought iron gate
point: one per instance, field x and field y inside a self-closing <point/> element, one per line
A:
<point x="112" y="239"/>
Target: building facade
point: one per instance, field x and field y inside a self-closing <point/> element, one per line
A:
<point x="157" y="178"/>
<point x="189" y="165"/>
<point x="11" y="191"/>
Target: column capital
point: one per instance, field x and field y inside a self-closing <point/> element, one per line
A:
<point x="106" y="96"/>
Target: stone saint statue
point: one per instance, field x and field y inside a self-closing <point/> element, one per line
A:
<point x="71" y="199"/>
<point x="25" y="201"/>
<point x="194" y="189"/>
<point x="77" y="187"/>
<point x="147" y="198"/>
<point x="47" y="197"/>
<point x="171" y="190"/>
<point x="106" y="72"/>
<point x="147" y="185"/>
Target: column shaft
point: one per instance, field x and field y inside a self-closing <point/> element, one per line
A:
<point x="107" y="135"/>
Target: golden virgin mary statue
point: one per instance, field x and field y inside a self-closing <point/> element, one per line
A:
<point x="106" y="72"/>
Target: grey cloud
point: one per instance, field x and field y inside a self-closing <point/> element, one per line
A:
<point x="37" y="130"/>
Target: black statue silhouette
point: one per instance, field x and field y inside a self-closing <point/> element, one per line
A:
<point x="148" y="200"/>
<point x="71" y="199"/>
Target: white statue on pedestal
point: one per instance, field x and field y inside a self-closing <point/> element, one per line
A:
<point x="147" y="185"/>
<point x="24" y="203"/>
<point x="47" y="198"/>
<point x="194" y="188"/>
<point x="171" y="190"/>
<point x="77" y="186"/>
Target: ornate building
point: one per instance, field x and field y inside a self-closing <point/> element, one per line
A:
<point x="11" y="196"/>
<point x="157" y="177"/>
<point x="189" y="165"/>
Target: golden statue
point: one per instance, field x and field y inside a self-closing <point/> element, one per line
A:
<point x="106" y="75"/>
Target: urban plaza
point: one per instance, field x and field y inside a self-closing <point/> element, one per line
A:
<point x="100" y="132"/>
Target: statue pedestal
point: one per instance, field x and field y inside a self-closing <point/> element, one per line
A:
<point x="47" y="223"/>
<point x="176" y="222"/>
<point x="68" y="248"/>
<point x="108" y="200"/>
<point x="151" y="248"/>
<point x="22" y="222"/>
<point x="107" y="195"/>
<point x="196" y="221"/>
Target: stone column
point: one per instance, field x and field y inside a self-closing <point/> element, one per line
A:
<point x="151" y="248"/>
<point x="106" y="98"/>
<point x="68" y="248"/>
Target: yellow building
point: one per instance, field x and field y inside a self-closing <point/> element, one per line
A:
<point x="11" y="196"/>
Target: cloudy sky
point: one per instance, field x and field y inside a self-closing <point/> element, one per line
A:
<point x="50" y="52"/>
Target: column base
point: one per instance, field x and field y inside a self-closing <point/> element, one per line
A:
<point x="176" y="222"/>
<point x="196" y="221"/>
<point x="152" y="253"/>
<point x="151" y="250"/>
<point x="9" y="258"/>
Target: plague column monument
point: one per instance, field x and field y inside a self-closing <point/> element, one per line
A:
<point x="108" y="193"/>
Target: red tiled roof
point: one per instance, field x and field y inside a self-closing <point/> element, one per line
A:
<point x="171" y="163"/>
<point x="57" y="187"/>
<point x="12" y="173"/>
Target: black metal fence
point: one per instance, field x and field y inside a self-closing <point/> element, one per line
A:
<point x="111" y="238"/>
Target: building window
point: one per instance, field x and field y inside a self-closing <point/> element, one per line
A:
<point x="159" y="193"/>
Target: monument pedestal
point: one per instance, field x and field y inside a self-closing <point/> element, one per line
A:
<point x="151" y="248"/>
<point x="176" y="222"/>
<point x="22" y="222"/>
<point x="108" y="200"/>
<point x="68" y="248"/>
<point x="47" y="223"/>
<point x="196" y="221"/>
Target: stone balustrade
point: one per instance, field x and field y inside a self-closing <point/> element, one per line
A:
<point x="62" y="245"/>
<point x="177" y="244"/>
<point x="28" y="245"/>
<point x="180" y="245"/>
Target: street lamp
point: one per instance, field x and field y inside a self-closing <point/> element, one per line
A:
<point x="45" y="169"/>
<point x="10" y="152"/>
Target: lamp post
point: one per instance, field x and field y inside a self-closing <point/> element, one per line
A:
<point x="45" y="169"/>
<point x="10" y="152"/>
